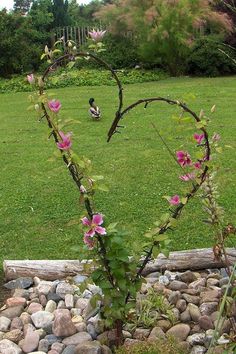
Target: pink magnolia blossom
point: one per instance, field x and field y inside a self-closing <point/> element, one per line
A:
<point x="183" y="158"/>
<point x="187" y="177"/>
<point x="82" y="189"/>
<point x="31" y="79"/>
<point x="66" y="142"/>
<point x="199" y="137"/>
<point x="175" y="200"/>
<point x="54" y="105"/>
<point x="216" y="137"/>
<point x="94" y="225"/>
<point x="197" y="165"/>
<point x="89" y="241"/>
<point x="97" y="36"/>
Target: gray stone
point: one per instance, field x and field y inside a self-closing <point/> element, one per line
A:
<point x="141" y="333"/>
<point x="61" y="305"/>
<point x="181" y="305"/>
<point x="196" y="339"/>
<point x="41" y="332"/>
<point x="198" y="284"/>
<point x="163" y="324"/>
<point x="4" y="323"/>
<point x="171" y="275"/>
<point x="191" y="299"/>
<point x="180" y="331"/>
<point x="75" y="312"/>
<point x="198" y="349"/>
<point x="54" y="297"/>
<point x="63" y="325"/>
<point x="21" y="293"/>
<point x="31" y="341"/>
<point x="25" y="318"/>
<point x="126" y="334"/>
<point x="94" y="289"/>
<point x="207" y="308"/>
<point x="212" y="282"/>
<point x="185" y="316"/>
<point x="51" y="306"/>
<point x="187" y="277"/>
<point x="51" y="338"/>
<point x="131" y="341"/>
<point x="91" y="330"/>
<point x="223" y="281"/>
<point x="177" y="285"/>
<point x="164" y="280"/>
<point x="155" y="334"/>
<point x="44" y="287"/>
<point x="20" y="283"/>
<point x="42" y="319"/>
<point x="77" y="338"/>
<point x="89" y="348"/>
<point x="81" y="327"/>
<point x="153" y="275"/>
<point x="64" y="288"/>
<point x="210" y="296"/>
<point x="70" y="349"/>
<point x="43" y="345"/>
<point x="8" y="347"/>
<point x="58" y="347"/>
<point x="81" y="303"/>
<point x="12" y="312"/>
<point x="97" y="322"/>
<point x="34" y="307"/>
<point x="78" y="279"/>
<point x="205" y="322"/>
<point x="194" y="312"/>
<point x="69" y="301"/>
<point x="174" y="297"/>
<point x="16" y="323"/>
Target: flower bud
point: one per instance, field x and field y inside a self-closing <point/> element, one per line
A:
<point x="70" y="44"/>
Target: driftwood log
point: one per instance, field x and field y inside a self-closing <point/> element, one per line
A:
<point x="57" y="269"/>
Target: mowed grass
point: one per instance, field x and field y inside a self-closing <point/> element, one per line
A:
<point x="39" y="199"/>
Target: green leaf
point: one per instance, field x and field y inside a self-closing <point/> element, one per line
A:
<point x="71" y="64"/>
<point x="155" y="252"/>
<point x="201" y="124"/>
<point x="219" y="150"/>
<point x="161" y="237"/>
<point x="184" y="200"/>
<point x="102" y="187"/>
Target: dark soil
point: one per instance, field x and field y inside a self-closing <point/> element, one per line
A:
<point x="4" y="293"/>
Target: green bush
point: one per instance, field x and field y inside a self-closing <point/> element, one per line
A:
<point x="83" y="77"/>
<point x="207" y="58"/>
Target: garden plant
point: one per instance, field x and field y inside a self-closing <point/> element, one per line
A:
<point x="116" y="268"/>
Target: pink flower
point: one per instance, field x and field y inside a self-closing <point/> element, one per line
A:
<point x="31" y="79"/>
<point x="89" y="241"/>
<point x="175" y="200"/>
<point x="66" y="142"/>
<point x="199" y="138"/>
<point x="187" y="177"/>
<point x="197" y="165"/>
<point x="183" y="158"/>
<point x="54" y="105"/>
<point x="97" y="36"/>
<point x="94" y="225"/>
<point x="82" y="189"/>
<point x="216" y="137"/>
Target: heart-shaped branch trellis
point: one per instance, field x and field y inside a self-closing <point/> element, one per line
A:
<point x="118" y="277"/>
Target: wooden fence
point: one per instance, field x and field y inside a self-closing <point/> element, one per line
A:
<point x="75" y="33"/>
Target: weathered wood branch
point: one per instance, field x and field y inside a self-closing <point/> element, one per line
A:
<point x="57" y="269"/>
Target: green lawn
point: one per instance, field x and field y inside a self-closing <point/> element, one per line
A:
<point x="38" y="198"/>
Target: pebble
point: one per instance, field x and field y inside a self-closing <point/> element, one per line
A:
<point x="20" y="283"/>
<point x="42" y="319"/>
<point x="54" y="317"/>
<point x="8" y="347"/>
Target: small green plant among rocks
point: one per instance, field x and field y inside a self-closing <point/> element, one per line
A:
<point x="118" y="268"/>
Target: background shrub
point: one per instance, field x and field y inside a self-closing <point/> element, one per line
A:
<point x="207" y="59"/>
